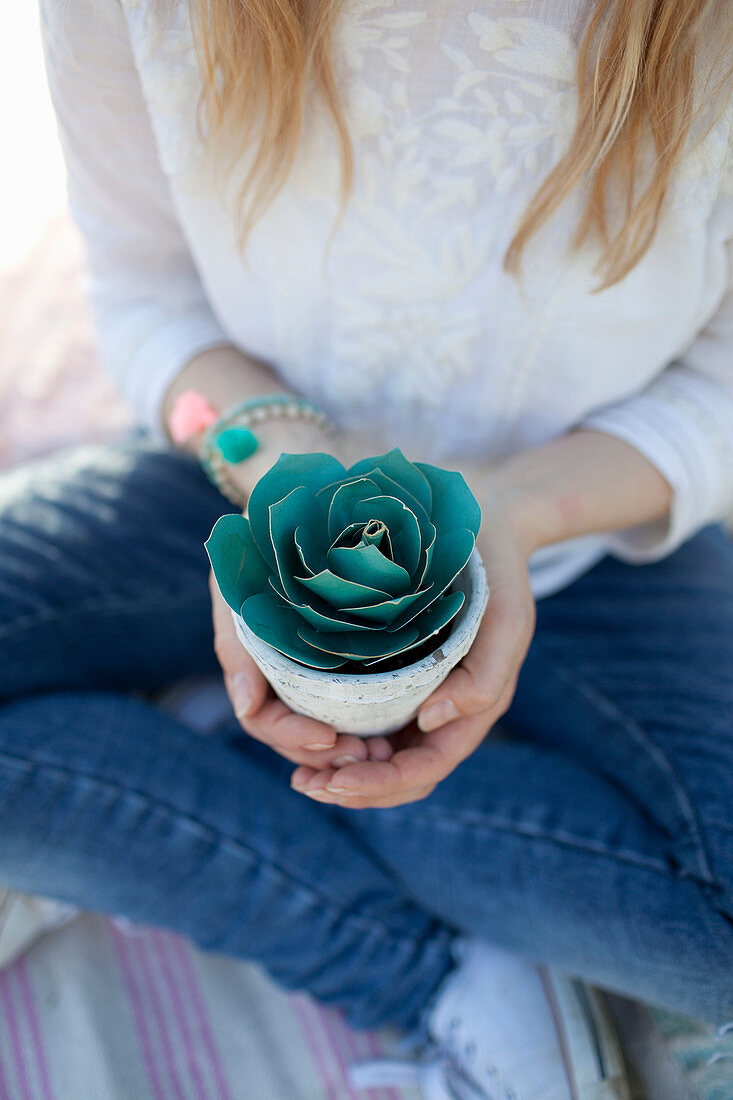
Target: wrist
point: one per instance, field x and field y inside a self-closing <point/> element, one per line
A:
<point x="515" y="508"/>
<point x="581" y="483"/>
<point x="237" y="440"/>
<point x="223" y="375"/>
<point x="293" y="436"/>
<point x="525" y="513"/>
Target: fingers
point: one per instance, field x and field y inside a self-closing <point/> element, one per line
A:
<point x="410" y="774"/>
<point x="246" y="686"/>
<point x="260" y="712"/>
<point x="265" y="717"/>
<point x="321" y="787"/>
<point x="379" y="748"/>
<point x="299" y="738"/>
<point x="310" y="784"/>
<point x="346" y="750"/>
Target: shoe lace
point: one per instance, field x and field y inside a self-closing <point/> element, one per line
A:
<point x="708" y="1059"/>
<point x="438" y="1069"/>
<point x="724" y="1040"/>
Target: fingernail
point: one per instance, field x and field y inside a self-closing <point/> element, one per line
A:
<point x="242" y="697"/>
<point x="301" y="785"/>
<point x="315" y="745"/>
<point x="342" y="761"/>
<point x="437" y="714"/>
<point x="338" y="790"/>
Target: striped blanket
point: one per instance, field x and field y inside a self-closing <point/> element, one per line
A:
<point x="104" y="1010"/>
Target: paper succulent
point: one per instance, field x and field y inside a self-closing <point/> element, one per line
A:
<point x="334" y="566"/>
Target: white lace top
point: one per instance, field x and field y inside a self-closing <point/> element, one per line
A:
<point x="407" y="324"/>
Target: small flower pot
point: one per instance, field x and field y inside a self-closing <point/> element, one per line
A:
<point x="372" y="703"/>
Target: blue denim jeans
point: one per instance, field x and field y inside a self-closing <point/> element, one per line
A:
<point x="594" y="832"/>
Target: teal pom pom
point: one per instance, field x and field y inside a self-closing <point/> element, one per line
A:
<point x="236" y="444"/>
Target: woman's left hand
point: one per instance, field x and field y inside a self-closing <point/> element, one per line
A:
<point x="476" y="693"/>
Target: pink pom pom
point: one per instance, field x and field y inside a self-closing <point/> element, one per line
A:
<point x="190" y="415"/>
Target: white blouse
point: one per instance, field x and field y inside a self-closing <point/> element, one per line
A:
<point x="403" y="322"/>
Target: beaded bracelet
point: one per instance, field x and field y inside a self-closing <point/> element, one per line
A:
<point x="228" y="440"/>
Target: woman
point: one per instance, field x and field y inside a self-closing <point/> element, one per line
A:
<point x="499" y="237"/>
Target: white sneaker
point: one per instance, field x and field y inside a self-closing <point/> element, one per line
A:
<point x="702" y="1054"/>
<point x="23" y="919"/>
<point x="502" y="1028"/>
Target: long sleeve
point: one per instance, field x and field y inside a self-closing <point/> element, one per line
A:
<point x="683" y="421"/>
<point x="150" y="310"/>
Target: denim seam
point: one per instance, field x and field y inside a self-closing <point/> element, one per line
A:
<point x="154" y="597"/>
<point x="610" y="709"/>
<point x="199" y="827"/>
<point x="564" y="840"/>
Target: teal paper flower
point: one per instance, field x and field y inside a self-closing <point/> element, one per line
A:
<point x="334" y="567"/>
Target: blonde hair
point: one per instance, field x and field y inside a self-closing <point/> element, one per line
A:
<point x="263" y="61"/>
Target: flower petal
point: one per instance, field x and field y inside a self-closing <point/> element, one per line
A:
<point x="342" y="503"/>
<point x="450" y="555"/>
<point x="368" y="565"/>
<point x="428" y="547"/>
<point x="387" y="611"/>
<point x="327" y="619"/>
<point x="454" y="505"/>
<point x="291" y="471"/>
<point x="342" y="539"/>
<point x="404" y="530"/>
<point x="310" y="554"/>
<point x="238" y="566"/>
<point x="434" y="619"/>
<point x="378" y="643"/>
<point x="339" y="592"/>
<point x="427" y="530"/>
<point x="284" y="516"/>
<point x="330" y="488"/>
<point x="275" y="623"/>
<point x="390" y="487"/>
<point x="404" y="472"/>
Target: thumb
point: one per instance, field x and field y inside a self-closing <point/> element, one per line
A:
<point x="246" y="686"/>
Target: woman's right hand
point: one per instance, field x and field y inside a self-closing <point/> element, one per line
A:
<point x="260" y="712"/>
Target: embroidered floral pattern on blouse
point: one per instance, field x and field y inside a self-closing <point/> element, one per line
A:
<point x="448" y="104"/>
<point x="500" y="101"/>
<point x="165" y="54"/>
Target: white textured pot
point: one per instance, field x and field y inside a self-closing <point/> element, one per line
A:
<point x="373" y="703"/>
